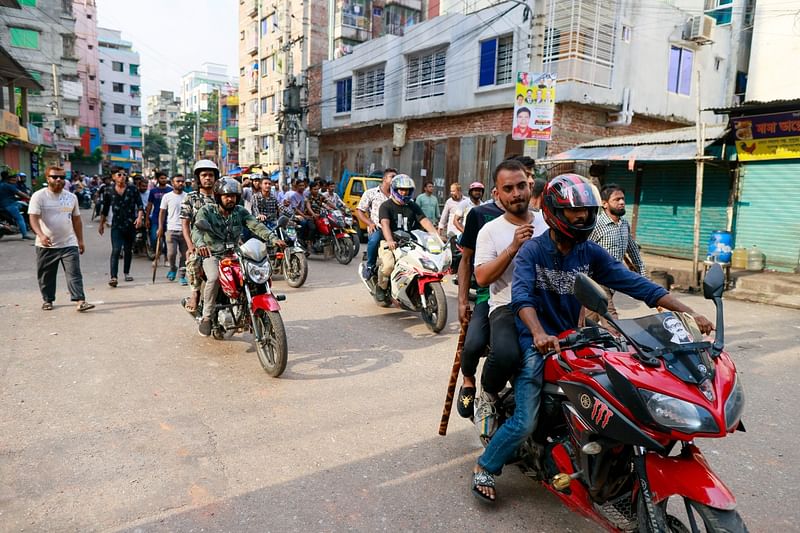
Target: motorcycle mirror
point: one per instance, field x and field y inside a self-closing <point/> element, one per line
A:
<point x="590" y="294"/>
<point x="203" y="225"/>
<point x="713" y="282"/>
<point x="283" y="221"/>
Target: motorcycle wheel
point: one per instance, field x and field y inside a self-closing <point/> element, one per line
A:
<point x="343" y="250"/>
<point x="435" y="313"/>
<point x="356" y="243"/>
<point x="714" y="520"/>
<point x="273" y="351"/>
<point x="151" y="252"/>
<point x="295" y="269"/>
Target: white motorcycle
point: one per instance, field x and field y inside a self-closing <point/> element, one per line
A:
<point x="415" y="283"/>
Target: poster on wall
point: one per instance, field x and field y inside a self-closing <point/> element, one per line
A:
<point x="764" y="137"/>
<point x="534" y="106"/>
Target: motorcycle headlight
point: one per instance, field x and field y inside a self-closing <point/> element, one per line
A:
<point x="428" y="264"/>
<point x="678" y="414"/>
<point x="258" y="272"/>
<point x="734" y="405"/>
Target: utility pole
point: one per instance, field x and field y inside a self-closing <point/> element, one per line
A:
<point x="284" y="118"/>
<point x="698" y="191"/>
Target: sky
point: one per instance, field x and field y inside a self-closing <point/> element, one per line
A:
<point x="174" y="36"/>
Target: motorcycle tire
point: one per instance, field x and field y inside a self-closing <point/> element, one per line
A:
<point x="343" y="250"/>
<point x="151" y="252"/>
<point x="714" y="520"/>
<point x="298" y="269"/>
<point x="356" y="243"/>
<point x="273" y="352"/>
<point x="435" y="313"/>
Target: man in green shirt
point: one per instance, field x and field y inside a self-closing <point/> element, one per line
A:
<point x="227" y="220"/>
<point x="429" y="203"/>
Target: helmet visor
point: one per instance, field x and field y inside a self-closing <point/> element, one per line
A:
<point x="576" y="192"/>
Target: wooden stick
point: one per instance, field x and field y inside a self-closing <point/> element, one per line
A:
<point x="451" y="385"/>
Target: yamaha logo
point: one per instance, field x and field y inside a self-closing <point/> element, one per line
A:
<point x="586" y="401"/>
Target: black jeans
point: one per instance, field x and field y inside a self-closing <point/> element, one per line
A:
<point x="47" y="261"/>
<point x="122" y="243"/>
<point x="476" y="340"/>
<point x="505" y="358"/>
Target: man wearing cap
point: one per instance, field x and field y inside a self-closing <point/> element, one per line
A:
<point x="475" y="195"/>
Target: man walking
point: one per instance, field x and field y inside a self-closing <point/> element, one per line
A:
<point x="153" y="205"/>
<point x="429" y="202"/>
<point x="125" y="202"/>
<point x="455" y="204"/>
<point x="56" y="221"/>
<point x="169" y="224"/>
<point x="613" y="233"/>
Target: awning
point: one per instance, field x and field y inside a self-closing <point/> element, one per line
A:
<point x="670" y="145"/>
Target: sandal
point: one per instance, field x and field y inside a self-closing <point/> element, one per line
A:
<point x="128" y="277"/>
<point x="112" y="282"/>
<point x="466" y="402"/>
<point x="191" y="302"/>
<point x="47" y="306"/>
<point x="84" y="306"/>
<point x="482" y="478"/>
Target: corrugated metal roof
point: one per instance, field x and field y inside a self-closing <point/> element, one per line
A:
<point x="646" y="152"/>
<point x="712" y="133"/>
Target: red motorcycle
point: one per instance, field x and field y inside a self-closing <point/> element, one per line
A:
<point x="615" y="408"/>
<point x="245" y="302"/>
<point x="331" y="236"/>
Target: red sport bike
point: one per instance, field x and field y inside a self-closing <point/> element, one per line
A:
<point x="331" y="235"/>
<point x="619" y="415"/>
<point x="245" y="302"/>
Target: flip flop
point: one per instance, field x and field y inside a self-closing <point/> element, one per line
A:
<point x="128" y="277"/>
<point x="112" y="282"/>
<point x="466" y="402"/>
<point x="47" y="306"/>
<point x="482" y="478"/>
<point x="84" y="307"/>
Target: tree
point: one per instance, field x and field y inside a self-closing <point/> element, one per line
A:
<point x="185" y="146"/>
<point x="154" y="145"/>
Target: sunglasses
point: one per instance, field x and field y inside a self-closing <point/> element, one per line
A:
<point x="57" y="177"/>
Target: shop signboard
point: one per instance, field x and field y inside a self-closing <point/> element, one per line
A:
<point x="766" y="137"/>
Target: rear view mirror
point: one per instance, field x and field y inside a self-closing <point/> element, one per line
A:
<point x="713" y="282"/>
<point x="203" y="225"/>
<point x="590" y="294"/>
<point x="283" y="221"/>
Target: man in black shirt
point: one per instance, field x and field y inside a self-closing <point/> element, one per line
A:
<point x="125" y="204"/>
<point x="400" y="212"/>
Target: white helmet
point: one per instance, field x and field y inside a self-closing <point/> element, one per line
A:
<point x="205" y="164"/>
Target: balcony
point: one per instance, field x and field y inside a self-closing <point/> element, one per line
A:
<point x="353" y="27"/>
<point x="252" y="123"/>
<point x="416" y="5"/>
<point x="251" y="6"/>
<point x="136" y="114"/>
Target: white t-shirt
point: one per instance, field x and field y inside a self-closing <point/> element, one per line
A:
<point x="171" y="203"/>
<point x="56" y="211"/>
<point x="539" y="225"/>
<point x="493" y="238"/>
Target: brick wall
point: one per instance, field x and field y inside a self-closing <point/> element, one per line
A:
<point x="314" y="117"/>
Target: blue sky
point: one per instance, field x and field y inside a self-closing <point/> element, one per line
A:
<point x="174" y="36"/>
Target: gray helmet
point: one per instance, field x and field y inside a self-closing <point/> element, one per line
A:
<point x="227" y="185"/>
<point x="403" y="181"/>
<point x="205" y="164"/>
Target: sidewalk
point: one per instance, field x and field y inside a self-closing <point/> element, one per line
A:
<point x="773" y="288"/>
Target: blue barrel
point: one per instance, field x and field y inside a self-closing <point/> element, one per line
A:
<point x="720" y="246"/>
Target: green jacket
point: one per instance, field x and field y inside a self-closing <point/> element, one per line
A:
<point x="230" y="227"/>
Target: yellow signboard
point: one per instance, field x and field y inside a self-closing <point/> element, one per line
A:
<point x="764" y="137"/>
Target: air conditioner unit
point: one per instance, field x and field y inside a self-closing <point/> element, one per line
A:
<point x="699" y="29"/>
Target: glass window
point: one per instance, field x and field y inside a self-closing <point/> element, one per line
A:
<point x="119" y="108"/>
<point x="264" y="105"/>
<point x="136" y="131"/>
<point x="679" y="75"/>
<point x="369" y="88"/>
<point x="37" y="119"/>
<point x="117" y="66"/>
<point x="29" y="3"/>
<point x="720" y="10"/>
<point x="344" y="93"/>
<point x="425" y="75"/>
<point x="134" y="90"/>
<point x="118" y="87"/>
<point x="496" y="61"/>
<point x="133" y="69"/>
<point x="119" y="128"/>
<point x="24" y="38"/>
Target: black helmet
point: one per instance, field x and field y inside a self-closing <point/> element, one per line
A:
<point x="227" y="186"/>
<point x="570" y="190"/>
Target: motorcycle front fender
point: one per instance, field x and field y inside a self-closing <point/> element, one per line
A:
<point x="690" y="476"/>
<point x="426" y="279"/>
<point x="265" y="302"/>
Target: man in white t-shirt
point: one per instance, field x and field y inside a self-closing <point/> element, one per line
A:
<point x="452" y="207"/>
<point x="496" y="246"/>
<point x="169" y="224"/>
<point x="56" y="220"/>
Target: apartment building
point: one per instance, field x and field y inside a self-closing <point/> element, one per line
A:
<point x="163" y="112"/>
<point x="198" y="85"/>
<point x="229" y="132"/>
<point x="87" y="50"/>
<point x="437" y="105"/>
<point x="121" y="96"/>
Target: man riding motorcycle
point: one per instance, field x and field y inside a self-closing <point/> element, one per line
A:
<point x="542" y="299"/>
<point x="227" y="220"/>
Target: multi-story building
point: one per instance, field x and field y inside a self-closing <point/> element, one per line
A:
<point x="198" y="85"/>
<point x="41" y="36"/>
<point x="163" y="112"/>
<point x="438" y="102"/>
<point x="229" y="132"/>
<point x="87" y="50"/>
<point x="121" y="96"/>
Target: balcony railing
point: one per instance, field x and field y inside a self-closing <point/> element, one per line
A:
<point x="136" y="114"/>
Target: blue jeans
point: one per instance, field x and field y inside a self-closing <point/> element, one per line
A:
<point x="13" y="210"/>
<point x="373" y="243"/>
<point x="527" y="390"/>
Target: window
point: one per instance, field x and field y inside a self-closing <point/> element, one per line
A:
<point x="117" y="66"/>
<point x="241" y="71"/>
<point x="118" y="87"/>
<point x="37" y="119"/>
<point x="344" y="93"/>
<point x="119" y="108"/>
<point x="136" y="131"/>
<point x="133" y="70"/>
<point x="66" y="7"/>
<point x="92" y="77"/>
<point x="91" y="107"/>
<point x="496" y="61"/>
<point x="136" y="111"/>
<point x="134" y="90"/>
<point x="35" y="74"/>
<point x="263" y="66"/>
<point x="89" y="16"/>
<point x="114" y="148"/>
<point x="425" y="75"/>
<point x="69" y="45"/>
<point x="680" y="70"/>
<point x="264" y="105"/>
<point x="29" y="3"/>
<point x="119" y="128"/>
<point x="90" y="46"/>
<point x="626" y="33"/>
<point x="24" y="38"/>
<point x="271" y="104"/>
<point x="720" y="10"/>
<point x="579" y="40"/>
<point x="264" y="26"/>
<point x="369" y="88"/>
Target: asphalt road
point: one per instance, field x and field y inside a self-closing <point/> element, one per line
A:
<point x="125" y="419"/>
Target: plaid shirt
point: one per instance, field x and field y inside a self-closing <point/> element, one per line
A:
<point x="616" y="238"/>
<point x="371" y="203"/>
<point x="265" y="205"/>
